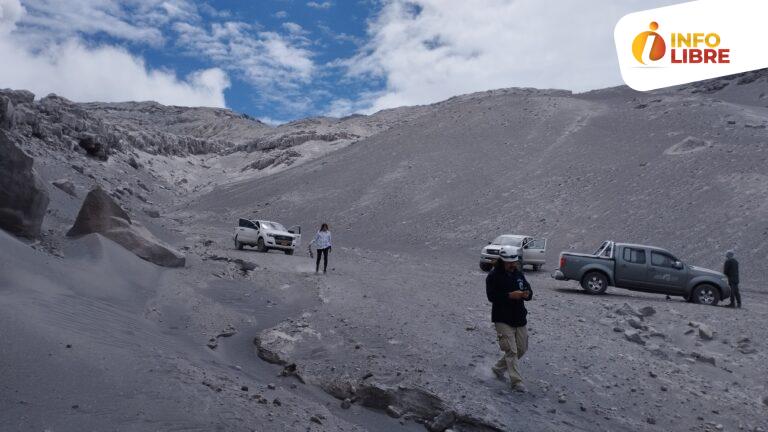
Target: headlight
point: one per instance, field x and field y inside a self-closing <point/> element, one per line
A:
<point x="270" y="235"/>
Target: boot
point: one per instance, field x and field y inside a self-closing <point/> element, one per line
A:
<point x="499" y="372"/>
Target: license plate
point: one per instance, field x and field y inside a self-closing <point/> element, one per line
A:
<point x="284" y="243"/>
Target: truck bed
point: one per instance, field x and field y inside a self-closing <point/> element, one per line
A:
<point x="586" y="255"/>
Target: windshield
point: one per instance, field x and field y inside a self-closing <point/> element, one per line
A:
<point x="273" y="226"/>
<point x="507" y="241"/>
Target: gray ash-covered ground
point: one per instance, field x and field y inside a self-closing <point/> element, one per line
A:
<point x="397" y="335"/>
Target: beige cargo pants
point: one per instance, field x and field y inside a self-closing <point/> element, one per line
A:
<point x="514" y="342"/>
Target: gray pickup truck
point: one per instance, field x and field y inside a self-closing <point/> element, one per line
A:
<point x="642" y="268"/>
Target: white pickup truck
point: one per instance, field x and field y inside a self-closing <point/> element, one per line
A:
<point x="534" y="250"/>
<point x="266" y="235"/>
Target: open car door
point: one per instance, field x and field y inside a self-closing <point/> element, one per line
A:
<point x="296" y="231"/>
<point x="534" y="251"/>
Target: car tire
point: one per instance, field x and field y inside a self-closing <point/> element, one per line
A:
<point x="288" y="251"/>
<point x="486" y="267"/>
<point x="260" y="246"/>
<point x="536" y="267"/>
<point x="706" y="294"/>
<point x="238" y="245"/>
<point x="594" y="283"/>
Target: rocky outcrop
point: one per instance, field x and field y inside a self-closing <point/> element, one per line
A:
<point x="23" y="196"/>
<point x="101" y="214"/>
<point x="19" y="96"/>
<point x="287" y="157"/>
<point x="294" y="138"/>
<point x="66" y="186"/>
<point x="279" y="345"/>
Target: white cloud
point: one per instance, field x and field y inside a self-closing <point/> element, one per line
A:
<point x="339" y="37"/>
<point x="266" y="59"/>
<point x="104" y="73"/>
<point x="281" y="14"/>
<point x="342" y="107"/>
<point x="320" y="5"/>
<point x="54" y="40"/>
<point x="294" y="28"/>
<point x="273" y="121"/>
<point x="137" y="20"/>
<point x="47" y="56"/>
<point x="429" y="50"/>
<point x="10" y="13"/>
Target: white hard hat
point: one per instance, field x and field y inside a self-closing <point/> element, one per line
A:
<point x="510" y="254"/>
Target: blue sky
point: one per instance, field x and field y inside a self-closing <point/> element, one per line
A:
<point x="280" y="60"/>
<point x="334" y="32"/>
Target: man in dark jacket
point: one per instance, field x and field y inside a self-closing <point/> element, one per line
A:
<point x="731" y="271"/>
<point x="507" y="289"/>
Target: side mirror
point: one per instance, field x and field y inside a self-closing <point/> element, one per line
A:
<point x="490" y="242"/>
<point x="678" y="265"/>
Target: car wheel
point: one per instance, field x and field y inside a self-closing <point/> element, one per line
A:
<point x="594" y="283"/>
<point x="260" y="245"/>
<point x="238" y="245"/>
<point x="706" y="294"/>
<point x="288" y="251"/>
<point x="486" y="267"/>
<point x="536" y="267"/>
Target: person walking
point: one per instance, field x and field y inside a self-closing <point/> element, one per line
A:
<point x="322" y="242"/>
<point x="508" y="290"/>
<point x="731" y="271"/>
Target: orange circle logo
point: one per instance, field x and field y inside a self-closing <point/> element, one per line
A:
<point x="658" y="46"/>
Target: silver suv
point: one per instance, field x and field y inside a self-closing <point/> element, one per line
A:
<point x="266" y="235"/>
<point x="534" y="250"/>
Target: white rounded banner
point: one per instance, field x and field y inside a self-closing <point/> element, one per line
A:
<point x="691" y="41"/>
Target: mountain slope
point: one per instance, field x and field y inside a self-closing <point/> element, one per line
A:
<point x="679" y="169"/>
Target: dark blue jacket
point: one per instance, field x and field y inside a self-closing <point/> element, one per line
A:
<point x="498" y="285"/>
<point x="731" y="270"/>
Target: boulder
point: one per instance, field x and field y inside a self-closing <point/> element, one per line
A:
<point x="634" y="336"/>
<point x="134" y="163"/>
<point x="705" y="332"/>
<point x="152" y="213"/>
<point x="394" y="411"/>
<point x="647" y="311"/>
<point x="101" y="214"/>
<point x="704" y="358"/>
<point x="636" y="324"/>
<point x="23" y="197"/>
<point x="628" y="310"/>
<point x="94" y="147"/>
<point x="442" y="421"/>
<point x="65" y="185"/>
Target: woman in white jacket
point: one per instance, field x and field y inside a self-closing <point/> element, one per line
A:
<point x="322" y="242"/>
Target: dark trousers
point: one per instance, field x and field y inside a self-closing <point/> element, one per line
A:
<point x="735" y="295"/>
<point x="324" y="253"/>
